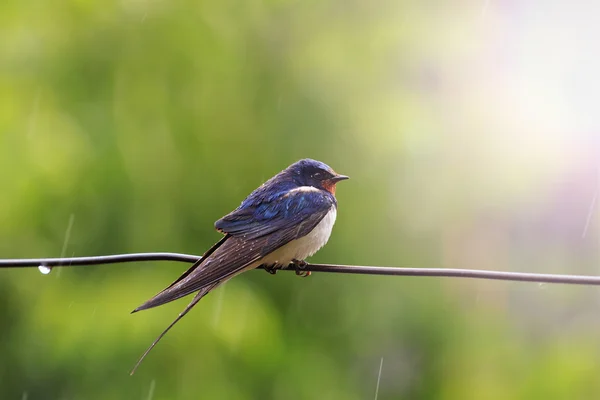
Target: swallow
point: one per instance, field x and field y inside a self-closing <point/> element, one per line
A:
<point x="284" y="221"/>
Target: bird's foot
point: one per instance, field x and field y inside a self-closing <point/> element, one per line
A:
<point x="272" y="269"/>
<point x="299" y="265"/>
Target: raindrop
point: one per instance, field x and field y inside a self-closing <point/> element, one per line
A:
<point x="590" y="213"/>
<point x="151" y="391"/>
<point x="378" y="378"/>
<point x="44" y="269"/>
<point x="219" y="306"/>
<point x="67" y="237"/>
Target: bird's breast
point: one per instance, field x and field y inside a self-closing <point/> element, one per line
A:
<point x="306" y="246"/>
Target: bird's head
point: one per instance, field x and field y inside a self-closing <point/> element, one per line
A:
<point x="308" y="172"/>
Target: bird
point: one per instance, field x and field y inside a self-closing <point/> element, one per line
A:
<point x="284" y="221"/>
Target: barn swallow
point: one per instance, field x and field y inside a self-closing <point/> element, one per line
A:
<point x="284" y="221"/>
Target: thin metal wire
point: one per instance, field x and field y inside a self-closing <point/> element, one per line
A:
<point x="333" y="268"/>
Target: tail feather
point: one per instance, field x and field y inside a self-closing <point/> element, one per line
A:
<point x="168" y="294"/>
<point x="203" y="292"/>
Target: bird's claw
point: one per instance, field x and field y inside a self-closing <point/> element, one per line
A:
<point x="299" y="266"/>
<point x="272" y="269"/>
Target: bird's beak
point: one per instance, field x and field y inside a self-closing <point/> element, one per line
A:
<point x="338" y="178"/>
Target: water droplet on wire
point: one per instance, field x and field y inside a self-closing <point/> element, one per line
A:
<point x="44" y="269"/>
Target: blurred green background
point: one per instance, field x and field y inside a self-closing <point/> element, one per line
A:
<point x="469" y="128"/>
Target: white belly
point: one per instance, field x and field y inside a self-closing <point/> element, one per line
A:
<point x="304" y="247"/>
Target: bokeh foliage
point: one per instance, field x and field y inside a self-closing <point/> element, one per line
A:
<point x="130" y="126"/>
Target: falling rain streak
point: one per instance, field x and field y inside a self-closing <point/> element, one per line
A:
<point x="379" y="378"/>
<point x="67" y="237"/>
<point x="590" y="213"/>
<point x="219" y="306"/>
<point x="151" y="391"/>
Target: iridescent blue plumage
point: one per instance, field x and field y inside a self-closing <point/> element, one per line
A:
<point x="283" y="212"/>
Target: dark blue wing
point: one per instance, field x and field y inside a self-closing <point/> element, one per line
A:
<point x="299" y="210"/>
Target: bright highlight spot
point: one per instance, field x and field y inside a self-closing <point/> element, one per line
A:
<point x="44" y="269"/>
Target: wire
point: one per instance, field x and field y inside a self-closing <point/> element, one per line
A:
<point x="333" y="268"/>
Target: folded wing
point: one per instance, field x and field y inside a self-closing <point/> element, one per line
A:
<point x="252" y="231"/>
